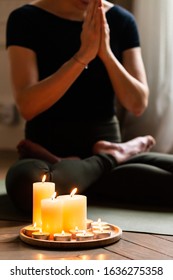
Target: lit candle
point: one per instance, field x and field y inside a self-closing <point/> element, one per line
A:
<point x="28" y="230"/>
<point x="84" y="236"/>
<point x="75" y="231"/>
<point x="52" y="215"/>
<point x="41" y="235"/>
<point x="63" y="236"/>
<point x="41" y="190"/>
<point x="74" y="211"/>
<point x="88" y="223"/>
<point x="99" y="224"/>
<point x="101" y="233"/>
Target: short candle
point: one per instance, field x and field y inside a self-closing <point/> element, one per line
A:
<point x="84" y="236"/>
<point x="28" y="230"/>
<point x="41" y="235"/>
<point x="99" y="224"/>
<point x="88" y="223"/>
<point x="75" y="231"/>
<point x="63" y="236"/>
<point x="104" y="227"/>
<point x="98" y="234"/>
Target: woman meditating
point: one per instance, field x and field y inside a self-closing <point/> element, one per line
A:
<point x="71" y="61"/>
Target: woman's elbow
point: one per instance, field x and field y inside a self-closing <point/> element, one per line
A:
<point x="25" y="112"/>
<point x="142" y="104"/>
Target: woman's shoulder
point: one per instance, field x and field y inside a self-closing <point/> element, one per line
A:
<point x="21" y="24"/>
<point x="117" y="10"/>
<point x="25" y="12"/>
<point x="119" y="15"/>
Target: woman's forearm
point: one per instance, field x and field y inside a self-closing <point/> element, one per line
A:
<point x="131" y="90"/>
<point x="40" y="96"/>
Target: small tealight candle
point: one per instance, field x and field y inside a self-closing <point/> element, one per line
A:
<point x="98" y="234"/>
<point x="75" y="231"/>
<point x="41" y="235"/>
<point x="88" y="223"/>
<point x="28" y="230"/>
<point x="99" y="224"/>
<point x="84" y="236"/>
<point x="104" y="227"/>
<point x="63" y="236"/>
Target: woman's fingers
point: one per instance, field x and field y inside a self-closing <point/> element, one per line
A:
<point x="92" y="10"/>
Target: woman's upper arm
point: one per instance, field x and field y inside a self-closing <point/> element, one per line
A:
<point x="23" y="68"/>
<point x="133" y="63"/>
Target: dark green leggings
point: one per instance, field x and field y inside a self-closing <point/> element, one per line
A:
<point x="144" y="179"/>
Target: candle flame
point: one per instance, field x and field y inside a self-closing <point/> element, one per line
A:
<point x="54" y="196"/>
<point x="99" y="220"/>
<point x="63" y="232"/>
<point x="73" y="192"/>
<point x="44" y="178"/>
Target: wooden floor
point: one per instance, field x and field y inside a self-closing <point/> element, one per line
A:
<point x="132" y="246"/>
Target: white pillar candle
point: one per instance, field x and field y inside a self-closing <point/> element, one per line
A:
<point x="74" y="211"/>
<point x="52" y="215"/>
<point x="41" y="190"/>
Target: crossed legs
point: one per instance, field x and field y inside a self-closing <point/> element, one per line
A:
<point x="67" y="172"/>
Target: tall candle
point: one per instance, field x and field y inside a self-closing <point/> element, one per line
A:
<point x="52" y="215"/>
<point x="41" y="190"/>
<point x="74" y="211"/>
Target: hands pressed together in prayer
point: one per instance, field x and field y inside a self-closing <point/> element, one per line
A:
<point x="95" y="34"/>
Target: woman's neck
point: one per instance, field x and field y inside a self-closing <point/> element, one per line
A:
<point x="66" y="9"/>
<point x="62" y="8"/>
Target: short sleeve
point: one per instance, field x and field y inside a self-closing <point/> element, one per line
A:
<point x="130" y="36"/>
<point x="19" y="30"/>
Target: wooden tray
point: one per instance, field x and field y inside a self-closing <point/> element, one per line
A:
<point x="116" y="234"/>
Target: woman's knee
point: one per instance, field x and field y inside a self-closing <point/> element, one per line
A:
<point x="20" y="178"/>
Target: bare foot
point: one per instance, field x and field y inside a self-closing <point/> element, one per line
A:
<point x="29" y="149"/>
<point x="123" y="151"/>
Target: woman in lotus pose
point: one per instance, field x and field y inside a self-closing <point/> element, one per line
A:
<point x="70" y="62"/>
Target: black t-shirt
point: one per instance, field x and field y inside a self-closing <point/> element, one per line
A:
<point x="55" y="40"/>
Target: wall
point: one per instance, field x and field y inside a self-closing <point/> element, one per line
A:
<point x="125" y="3"/>
<point x="11" y="131"/>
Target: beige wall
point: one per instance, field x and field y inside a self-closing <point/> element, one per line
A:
<point x="10" y="134"/>
<point x="125" y="3"/>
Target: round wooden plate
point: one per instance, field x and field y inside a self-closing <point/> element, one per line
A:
<point x="116" y="234"/>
